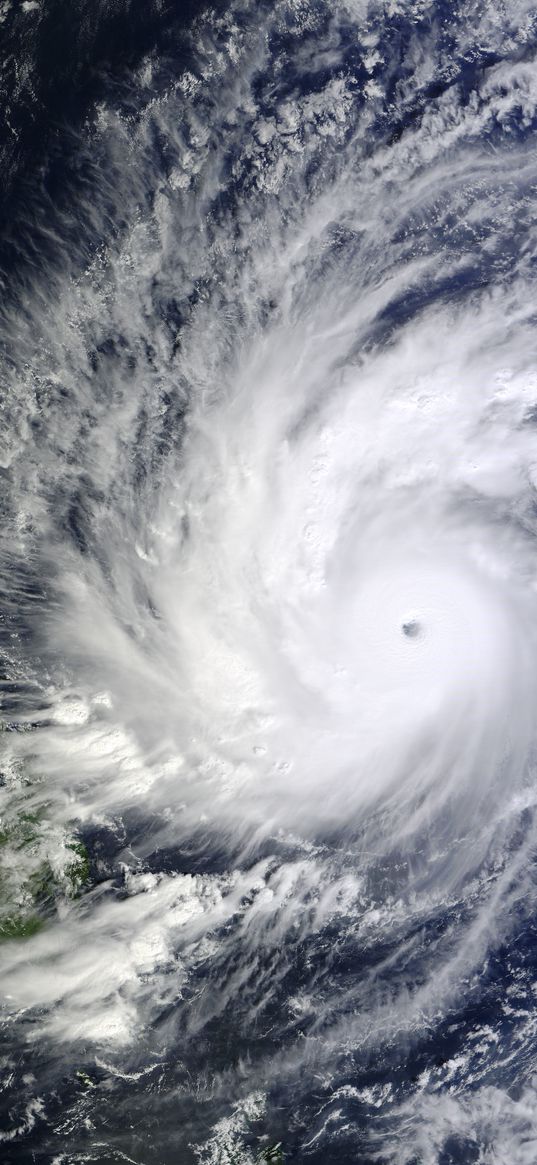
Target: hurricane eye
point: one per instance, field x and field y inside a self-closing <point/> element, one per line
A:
<point x="411" y="628"/>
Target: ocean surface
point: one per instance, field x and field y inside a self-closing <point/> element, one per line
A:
<point x="268" y="580"/>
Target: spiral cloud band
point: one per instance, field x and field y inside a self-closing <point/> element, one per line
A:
<point x="270" y="598"/>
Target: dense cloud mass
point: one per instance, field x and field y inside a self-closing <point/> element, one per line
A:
<point x="269" y="580"/>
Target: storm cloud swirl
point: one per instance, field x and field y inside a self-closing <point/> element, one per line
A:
<point x="269" y="546"/>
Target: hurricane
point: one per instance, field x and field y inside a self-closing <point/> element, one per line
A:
<point x="268" y="793"/>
